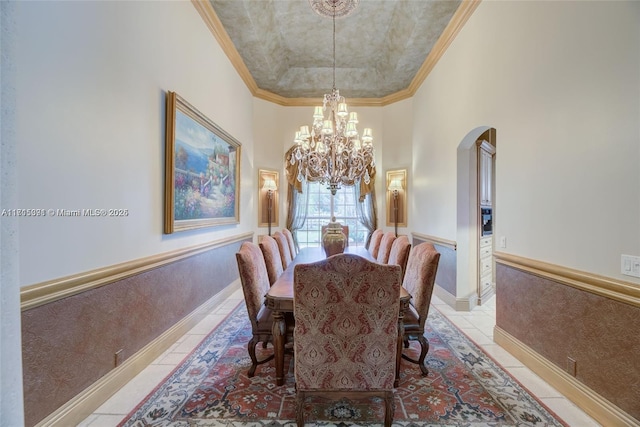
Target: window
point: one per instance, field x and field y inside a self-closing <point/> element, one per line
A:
<point x="319" y="214"/>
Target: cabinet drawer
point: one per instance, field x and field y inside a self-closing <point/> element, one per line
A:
<point x="486" y="252"/>
<point x="485" y="241"/>
<point x="485" y="266"/>
<point x="486" y="281"/>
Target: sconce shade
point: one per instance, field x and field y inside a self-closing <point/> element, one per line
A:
<point x="269" y="184"/>
<point x="395" y="185"/>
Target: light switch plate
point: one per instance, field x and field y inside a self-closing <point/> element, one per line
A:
<point x="630" y="265"/>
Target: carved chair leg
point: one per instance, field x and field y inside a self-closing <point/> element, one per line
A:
<point x="389" y="408"/>
<point x="251" y="347"/>
<point x="300" y="409"/>
<point x="424" y="348"/>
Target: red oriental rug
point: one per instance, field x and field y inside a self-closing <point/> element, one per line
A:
<point x="465" y="387"/>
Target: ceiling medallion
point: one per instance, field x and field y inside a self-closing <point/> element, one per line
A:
<point x="341" y="8"/>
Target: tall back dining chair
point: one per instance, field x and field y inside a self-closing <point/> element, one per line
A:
<point x="272" y="258"/>
<point x="255" y="285"/>
<point x="346" y="330"/>
<point x="385" y="247"/>
<point x="419" y="280"/>
<point x="399" y="254"/>
<point x="374" y="243"/>
<point x="292" y="244"/>
<point x="283" y="246"/>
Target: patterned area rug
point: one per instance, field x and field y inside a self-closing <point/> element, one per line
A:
<point x="464" y="387"/>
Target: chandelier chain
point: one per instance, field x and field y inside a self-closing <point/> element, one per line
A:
<point x="333" y="152"/>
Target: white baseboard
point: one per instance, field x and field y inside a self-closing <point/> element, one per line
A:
<point x="84" y="404"/>
<point x="458" y="304"/>
<point x="589" y="401"/>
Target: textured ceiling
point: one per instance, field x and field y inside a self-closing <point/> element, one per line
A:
<point x="288" y="48"/>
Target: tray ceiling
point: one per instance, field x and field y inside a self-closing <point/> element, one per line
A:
<point x="287" y="48"/>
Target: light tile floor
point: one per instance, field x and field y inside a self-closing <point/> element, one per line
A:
<point x="477" y="324"/>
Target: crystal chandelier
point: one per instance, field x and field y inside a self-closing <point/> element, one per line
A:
<point x="333" y="152"/>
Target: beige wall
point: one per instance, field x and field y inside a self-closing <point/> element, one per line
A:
<point x="559" y="81"/>
<point x="90" y="126"/>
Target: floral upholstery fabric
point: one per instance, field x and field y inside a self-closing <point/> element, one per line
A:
<point x="292" y="245"/>
<point x="283" y="246"/>
<point x="399" y="254"/>
<point x="254" y="279"/>
<point x="419" y="280"/>
<point x="385" y="247"/>
<point x="346" y="324"/>
<point x="272" y="259"/>
<point x="420" y="277"/>
<point x="374" y="243"/>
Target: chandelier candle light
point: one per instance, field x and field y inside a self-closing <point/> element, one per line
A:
<point x="332" y="151"/>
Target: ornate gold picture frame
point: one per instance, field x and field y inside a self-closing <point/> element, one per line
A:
<point x="202" y="170"/>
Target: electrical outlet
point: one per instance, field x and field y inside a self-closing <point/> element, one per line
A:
<point x="117" y="358"/>
<point x="571" y="366"/>
<point x="630" y="265"/>
<point x="503" y="241"/>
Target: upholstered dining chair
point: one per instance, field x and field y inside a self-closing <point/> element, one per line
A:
<point x="283" y="246"/>
<point x="385" y="247"/>
<point x="399" y="254"/>
<point x="374" y="243"/>
<point x="255" y="284"/>
<point x="419" y="280"/>
<point x="292" y="245"/>
<point x="272" y="258"/>
<point x="346" y="330"/>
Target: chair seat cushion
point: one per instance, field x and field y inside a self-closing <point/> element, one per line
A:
<point x="411" y="320"/>
<point x="265" y="321"/>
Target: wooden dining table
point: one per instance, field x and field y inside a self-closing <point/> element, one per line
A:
<point x="280" y="300"/>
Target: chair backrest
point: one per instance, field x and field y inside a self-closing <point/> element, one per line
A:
<point x="420" y="277"/>
<point x="345" y="231"/>
<point x="272" y="259"/>
<point x="283" y="246"/>
<point x="385" y="247"/>
<point x="292" y="245"/>
<point x="399" y="254"/>
<point x="374" y="243"/>
<point x="346" y="324"/>
<point x="254" y="278"/>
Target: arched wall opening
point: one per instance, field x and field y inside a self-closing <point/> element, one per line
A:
<point x="468" y="230"/>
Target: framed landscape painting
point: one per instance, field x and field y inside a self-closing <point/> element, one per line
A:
<point x="202" y="170"/>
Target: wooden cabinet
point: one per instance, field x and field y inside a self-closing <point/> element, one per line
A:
<point x="486" y="265"/>
<point x="485" y="173"/>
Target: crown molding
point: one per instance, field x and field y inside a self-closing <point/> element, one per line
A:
<point x="210" y="18"/>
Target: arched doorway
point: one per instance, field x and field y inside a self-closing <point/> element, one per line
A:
<point x="475" y="282"/>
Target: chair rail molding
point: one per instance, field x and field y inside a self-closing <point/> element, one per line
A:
<point x="618" y="290"/>
<point x="435" y="240"/>
<point x="52" y="290"/>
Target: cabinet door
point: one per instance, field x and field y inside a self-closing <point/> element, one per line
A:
<point x="485" y="177"/>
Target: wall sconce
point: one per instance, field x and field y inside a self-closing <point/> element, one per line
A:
<point x="396" y="198"/>
<point x="268" y="198"/>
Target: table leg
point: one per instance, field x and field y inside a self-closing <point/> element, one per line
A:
<point x="278" y="332"/>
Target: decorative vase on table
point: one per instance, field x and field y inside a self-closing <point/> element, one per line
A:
<point x="333" y="239"/>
